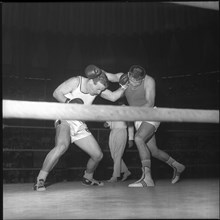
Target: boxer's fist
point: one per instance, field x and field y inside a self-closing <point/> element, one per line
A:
<point x="124" y="81"/>
<point x="92" y="71"/>
<point x="106" y="125"/>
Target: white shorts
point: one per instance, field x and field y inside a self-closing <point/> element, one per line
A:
<point x="78" y="129"/>
<point x="156" y="124"/>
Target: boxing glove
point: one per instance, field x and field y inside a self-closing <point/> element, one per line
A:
<point x="106" y="124"/>
<point x="124" y="81"/>
<point x="74" y="101"/>
<point x="92" y="71"/>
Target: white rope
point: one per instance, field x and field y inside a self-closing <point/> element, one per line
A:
<point x="52" y="111"/>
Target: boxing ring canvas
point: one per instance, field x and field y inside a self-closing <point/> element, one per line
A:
<point x="190" y="198"/>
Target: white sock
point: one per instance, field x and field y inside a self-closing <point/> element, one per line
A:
<point x="146" y="171"/>
<point x="147" y="176"/>
<point x="174" y="163"/>
<point x="42" y="175"/>
<point x="146" y="163"/>
<point x="170" y="161"/>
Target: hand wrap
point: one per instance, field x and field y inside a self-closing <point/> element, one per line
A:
<point x="124" y="81"/>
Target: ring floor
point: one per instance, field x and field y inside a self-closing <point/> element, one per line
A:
<point x="189" y="198"/>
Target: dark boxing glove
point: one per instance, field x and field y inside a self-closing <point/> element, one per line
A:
<point x="75" y="101"/>
<point x="124" y="81"/>
<point x="92" y="71"/>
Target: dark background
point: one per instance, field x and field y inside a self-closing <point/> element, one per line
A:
<point x="44" y="44"/>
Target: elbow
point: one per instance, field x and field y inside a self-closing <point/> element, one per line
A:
<point x="55" y="94"/>
<point x="114" y="99"/>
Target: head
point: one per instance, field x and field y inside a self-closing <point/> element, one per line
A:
<point x="98" y="84"/>
<point x="136" y="75"/>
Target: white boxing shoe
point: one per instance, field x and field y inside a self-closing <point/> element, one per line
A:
<point x="143" y="182"/>
<point x="177" y="172"/>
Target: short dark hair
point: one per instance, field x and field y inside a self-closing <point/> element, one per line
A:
<point x="102" y="78"/>
<point x="137" y="72"/>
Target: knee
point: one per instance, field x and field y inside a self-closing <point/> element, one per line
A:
<point x="61" y="149"/>
<point x="98" y="157"/>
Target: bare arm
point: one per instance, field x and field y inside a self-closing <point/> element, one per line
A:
<point x="149" y="91"/>
<point x="65" y="88"/>
<point x="112" y="96"/>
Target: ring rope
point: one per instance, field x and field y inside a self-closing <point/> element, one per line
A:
<point x="53" y="111"/>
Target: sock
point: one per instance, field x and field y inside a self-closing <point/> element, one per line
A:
<point x="42" y="175"/>
<point x="88" y="175"/>
<point x="170" y="161"/>
<point x="174" y="163"/>
<point x="146" y="172"/>
<point x="146" y="163"/>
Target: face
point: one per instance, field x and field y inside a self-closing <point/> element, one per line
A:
<point x="96" y="89"/>
<point x="133" y="82"/>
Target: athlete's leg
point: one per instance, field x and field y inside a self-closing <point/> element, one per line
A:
<point x="143" y="134"/>
<point x="178" y="168"/>
<point x="62" y="141"/>
<point x="91" y="147"/>
<point x="155" y="151"/>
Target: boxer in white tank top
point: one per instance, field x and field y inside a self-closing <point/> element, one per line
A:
<point x="67" y="131"/>
<point x="78" y="129"/>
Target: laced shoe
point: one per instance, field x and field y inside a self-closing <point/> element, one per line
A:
<point x="39" y="185"/>
<point x="144" y="181"/>
<point x="177" y="172"/>
<point x="92" y="182"/>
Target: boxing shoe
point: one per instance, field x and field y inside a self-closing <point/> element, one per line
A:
<point x="177" y="170"/>
<point x="39" y="185"/>
<point x="142" y="183"/>
<point x="145" y="181"/>
<point x="92" y="182"/>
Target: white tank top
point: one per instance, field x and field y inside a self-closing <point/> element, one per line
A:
<point x="77" y="93"/>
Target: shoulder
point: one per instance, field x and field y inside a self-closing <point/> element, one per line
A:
<point x="149" y="81"/>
